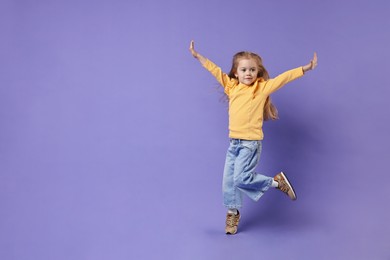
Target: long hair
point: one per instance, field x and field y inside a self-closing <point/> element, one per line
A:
<point x="270" y="111"/>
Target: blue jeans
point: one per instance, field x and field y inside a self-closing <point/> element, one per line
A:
<point x="239" y="174"/>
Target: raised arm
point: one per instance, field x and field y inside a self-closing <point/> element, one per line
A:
<point x="215" y="70"/>
<point x="196" y="55"/>
<point x="276" y="83"/>
<point x="312" y="65"/>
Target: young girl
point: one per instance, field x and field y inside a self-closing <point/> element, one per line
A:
<point x="248" y="88"/>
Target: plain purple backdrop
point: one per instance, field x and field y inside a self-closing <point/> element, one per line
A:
<point x="113" y="138"/>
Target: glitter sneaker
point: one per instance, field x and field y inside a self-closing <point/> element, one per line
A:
<point x="285" y="186"/>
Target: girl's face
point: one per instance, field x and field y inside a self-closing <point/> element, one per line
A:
<point x="247" y="71"/>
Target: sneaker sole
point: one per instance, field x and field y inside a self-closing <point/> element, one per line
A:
<point x="289" y="185"/>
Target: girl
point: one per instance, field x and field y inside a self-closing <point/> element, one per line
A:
<point x="248" y="88"/>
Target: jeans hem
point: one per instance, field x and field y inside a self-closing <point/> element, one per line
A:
<point x="261" y="193"/>
<point x="232" y="206"/>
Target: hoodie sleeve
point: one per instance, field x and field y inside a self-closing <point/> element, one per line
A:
<point x="276" y="83"/>
<point x="223" y="79"/>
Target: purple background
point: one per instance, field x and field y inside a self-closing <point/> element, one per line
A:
<point x="113" y="138"/>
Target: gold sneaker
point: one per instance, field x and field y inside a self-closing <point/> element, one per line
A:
<point x="232" y="223"/>
<point x="285" y="186"/>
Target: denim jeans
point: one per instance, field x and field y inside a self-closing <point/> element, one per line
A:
<point x="239" y="174"/>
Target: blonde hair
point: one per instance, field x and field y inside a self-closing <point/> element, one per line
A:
<point x="270" y="111"/>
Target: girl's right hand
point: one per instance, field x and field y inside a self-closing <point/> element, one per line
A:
<point x="192" y="50"/>
<point x="196" y="55"/>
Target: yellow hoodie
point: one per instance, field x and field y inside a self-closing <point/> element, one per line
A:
<point x="246" y="103"/>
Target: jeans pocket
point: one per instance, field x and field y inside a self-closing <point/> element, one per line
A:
<point x="251" y="145"/>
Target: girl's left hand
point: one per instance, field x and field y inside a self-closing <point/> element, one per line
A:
<point x="312" y="65"/>
<point x="314" y="62"/>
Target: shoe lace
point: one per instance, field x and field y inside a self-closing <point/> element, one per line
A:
<point x="283" y="186"/>
<point x="231" y="220"/>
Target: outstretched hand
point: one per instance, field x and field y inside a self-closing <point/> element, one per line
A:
<point x="196" y="55"/>
<point x="312" y="65"/>
<point x="314" y="62"/>
<point x="192" y="50"/>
